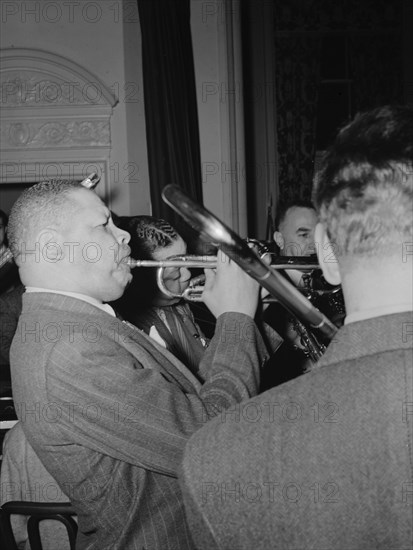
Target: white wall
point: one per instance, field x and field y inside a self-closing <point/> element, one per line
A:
<point x="104" y="37"/>
<point x="216" y="42"/>
<point x="95" y="35"/>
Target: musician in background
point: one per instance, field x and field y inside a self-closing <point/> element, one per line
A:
<point x="9" y="277"/>
<point x="294" y="236"/>
<point x="10" y="309"/>
<point x="3" y="238"/>
<point x="295" y="223"/>
<point x="167" y="319"/>
<point x="10" y="304"/>
<point x="325" y="460"/>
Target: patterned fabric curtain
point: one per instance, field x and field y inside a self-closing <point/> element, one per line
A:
<point x="373" y="29"/>
<point x="297" y="75"/>
<point x="170" y="104"/>
<point x="376" y="68"/>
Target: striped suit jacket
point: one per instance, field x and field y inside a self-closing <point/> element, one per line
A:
<point x="108" y="411"/>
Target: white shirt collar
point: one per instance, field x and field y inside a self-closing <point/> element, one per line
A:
<point x="89" y="299"/>
<point x="376" y="312"/>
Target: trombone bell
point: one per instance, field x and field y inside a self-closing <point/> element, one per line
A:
<point x="224" y="238"/>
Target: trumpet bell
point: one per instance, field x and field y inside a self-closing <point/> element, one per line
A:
<point x="193" y="292"/>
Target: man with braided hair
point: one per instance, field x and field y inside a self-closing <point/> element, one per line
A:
<point x="167" y="319"/>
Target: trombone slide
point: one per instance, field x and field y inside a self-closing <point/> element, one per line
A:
<point x="237" y="249"/>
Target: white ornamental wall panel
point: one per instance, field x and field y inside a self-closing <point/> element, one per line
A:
<point x="55" y="118"/>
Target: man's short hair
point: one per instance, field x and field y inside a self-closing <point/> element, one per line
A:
<point x="364" y="194"/>
<point x="284" y="207"/>
<point x="45" y="204"/>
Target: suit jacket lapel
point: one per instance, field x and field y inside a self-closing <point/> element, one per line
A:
<point x="134" y="339"/>
<point x="149" y="353"/>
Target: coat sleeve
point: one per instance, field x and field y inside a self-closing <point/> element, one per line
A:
<point x="128" y="408"/>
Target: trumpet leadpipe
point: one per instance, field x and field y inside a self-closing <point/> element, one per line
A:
<point x="210" y="262"/>
<point x="207" y="262"/>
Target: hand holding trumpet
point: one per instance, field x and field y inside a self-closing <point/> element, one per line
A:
<point x="229" y="288"/>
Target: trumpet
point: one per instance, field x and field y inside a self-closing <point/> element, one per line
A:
<point x="193" y="293"/>
<point x="210" y="262"/>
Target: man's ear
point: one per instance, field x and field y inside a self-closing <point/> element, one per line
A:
<point x="50" y="244"/>
<point x="326" y="257"/>
<point x="279" y="239"/>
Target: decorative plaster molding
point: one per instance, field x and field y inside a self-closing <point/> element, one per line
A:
<point x="55" y="117"/>
<point x="34" y="88"/>
<point x="35" y="77"/>
<point x="57" y="133"/>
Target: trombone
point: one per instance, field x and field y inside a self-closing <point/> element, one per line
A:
<point x="238" y="250"/>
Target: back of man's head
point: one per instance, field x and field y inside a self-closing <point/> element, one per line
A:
<point x="46" y="204"/>
<point x="365" y="191"/>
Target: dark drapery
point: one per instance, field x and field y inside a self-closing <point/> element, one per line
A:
<point x="297" y="76"/>
<point x="171" y="114"/>
<point x="376" y="67"/>
<point x="372" y="32"/>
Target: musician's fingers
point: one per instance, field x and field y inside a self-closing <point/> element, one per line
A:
<point x="222" y="259"/>
<point x="231" y="289"/>
<point x="210" y="278"/>
<point x="210" y="275"/>
<point x="266" y="258"/>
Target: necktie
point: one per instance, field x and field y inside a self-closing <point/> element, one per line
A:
<point x="188" y="343"/>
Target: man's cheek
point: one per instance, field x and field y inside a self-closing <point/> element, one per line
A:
<point x="306" y="246"/>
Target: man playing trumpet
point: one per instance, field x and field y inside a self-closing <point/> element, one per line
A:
<point x="107" y="409"/>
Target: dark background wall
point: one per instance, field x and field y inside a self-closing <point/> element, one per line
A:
<point x="320" y="63"/>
